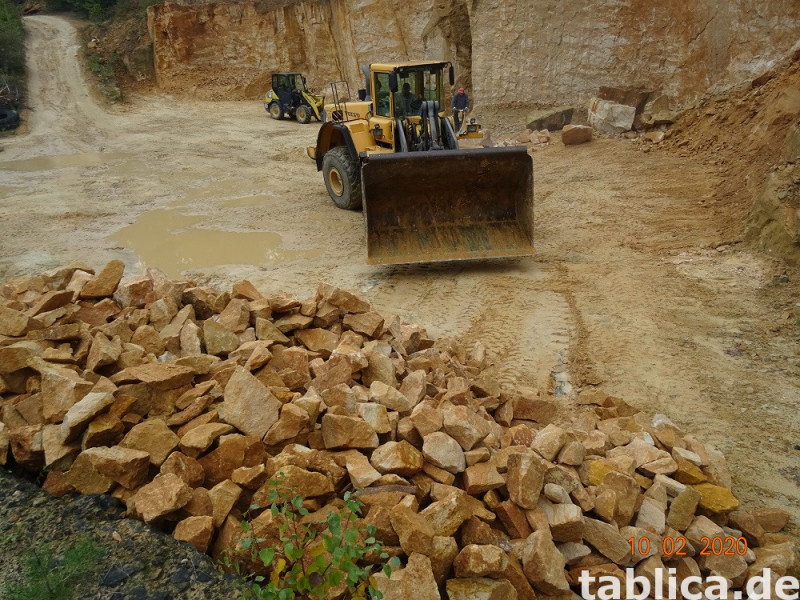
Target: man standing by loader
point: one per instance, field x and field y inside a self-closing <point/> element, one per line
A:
<point x="460" y="108"/>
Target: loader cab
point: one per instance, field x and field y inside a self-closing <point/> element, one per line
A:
<point x="289" y="87"/>
<point x="398" y="95"/>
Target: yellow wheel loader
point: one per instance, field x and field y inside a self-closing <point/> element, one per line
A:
<point x="394" y="154"/>
<point x="290" y="96"/>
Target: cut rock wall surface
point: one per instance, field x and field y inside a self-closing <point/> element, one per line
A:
<point x="213" y="50"/>
<point x="504" y="51"/>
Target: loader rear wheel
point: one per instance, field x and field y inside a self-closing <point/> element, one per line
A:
<point x="275" y="111"/>
<point x="342" y="178"/>
<point x="303" y="114"/>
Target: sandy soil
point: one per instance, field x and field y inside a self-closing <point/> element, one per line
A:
<point x="632" y="290"/>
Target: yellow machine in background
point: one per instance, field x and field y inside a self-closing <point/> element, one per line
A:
<point x="394" y="153"/>
<point x="290" y="96"/>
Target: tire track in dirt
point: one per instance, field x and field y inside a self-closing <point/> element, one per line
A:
<point x="525" y="327"/>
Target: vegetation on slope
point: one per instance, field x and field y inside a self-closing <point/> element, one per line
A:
<point x="12" y="48"/>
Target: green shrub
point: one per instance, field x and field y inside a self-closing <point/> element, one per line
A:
<point x="12" y="40"/>
<point x="48" y="577"/>
<point x="312" y="559"/>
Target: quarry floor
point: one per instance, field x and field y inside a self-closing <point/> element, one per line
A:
<point x="632" y="289"/>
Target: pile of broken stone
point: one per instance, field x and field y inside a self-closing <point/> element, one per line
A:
<point x="184" y="402"/>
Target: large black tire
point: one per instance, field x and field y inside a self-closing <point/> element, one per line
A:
<point x="9" y="118"/>
<point x="275" y="111"/>
<point x="303" y="114"/>
<point x="342" y="178"/>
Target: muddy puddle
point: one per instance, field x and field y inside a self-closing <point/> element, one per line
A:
<point x="175" y="242"/>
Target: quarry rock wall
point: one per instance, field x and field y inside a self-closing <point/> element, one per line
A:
<point x="504" y="51"/>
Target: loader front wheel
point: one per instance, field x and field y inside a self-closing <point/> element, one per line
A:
<point x="275" y="111"/>
<point x="303" y="114"/>
<point x="342" y="178"/>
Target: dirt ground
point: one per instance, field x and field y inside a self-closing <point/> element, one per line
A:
<point x="634" y="289"/>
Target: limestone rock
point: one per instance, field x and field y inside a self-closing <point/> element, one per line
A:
<point x="340" y="431"/>
<point x="376" y="415"/>
<point x="716" y="499"/>
<point x="480" y="588"/>
<point x="295" y="480"/>
<point x="248" y="404"/>
<point x="154" y="437"/>
<point x="682" y="509"/>
<point x="185" y="467"/>
<point x="415" y="581"/>
<point x="362" y="474"/>
<point x="771" y="519"/>
<point x="198" y="531"/>
<point x="133" y="292"/>
<point x="105" y="282"/>
<point x="85" y="478"/>
<point x="513" y="519"/>
<point x="163" y="376"/>
<point x="223" y="497"/>
<point x="572" y="135"/>
<point x="607" y="540"/>
<point x="162" y="496"/>
<point x="444" y="452"/>
<point x="565" y="520"/>
<point x="389" y="397"/>
<point x="82" y="412"/>
<point x="397" y="457"/>
<point x="367" y="323"/>
<point x="549" y="441"/>
<point x="446" y="516"/>
<point x="551" y="119"/>
<point x="544" y="564"/>
<point x="480" y="561"/>
<point x="292" y="421"/>
<point x="464" y="425"/>
<point x="525" y="479"/>
<point x="198" y="440"/>
<point x="610" y="117"/>
<point x="125" y="466"/>
<point x="61" y="389"/>
<point x="318" y="340"/>
<point x="219" y="340"/>
<point x="481" y="478"/>
<point x="415" y="534"/>
<point x="235" y="316"/>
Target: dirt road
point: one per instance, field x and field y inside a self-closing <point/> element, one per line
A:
<point x="632" y="290"/>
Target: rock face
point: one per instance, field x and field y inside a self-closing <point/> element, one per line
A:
<point x="563" y="51"/>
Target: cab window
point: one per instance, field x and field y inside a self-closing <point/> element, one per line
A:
<point x="279" y="82"/>
<point x="382" y="95"/>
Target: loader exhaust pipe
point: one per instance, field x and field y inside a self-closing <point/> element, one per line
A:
<point x="448" y="205"/>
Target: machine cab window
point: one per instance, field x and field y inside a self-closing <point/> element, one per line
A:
<point x="280" y="82"/>
<point x="382" y="94"/>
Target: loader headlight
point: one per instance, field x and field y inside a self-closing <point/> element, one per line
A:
<point x="269" y="94"/>
<point x="472" y="128"/>
<point x="377" y="131"/>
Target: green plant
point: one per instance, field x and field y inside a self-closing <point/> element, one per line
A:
<point x="48" y="577"/>
<point x="308" y="559"/>
<point x="12" y="40"/>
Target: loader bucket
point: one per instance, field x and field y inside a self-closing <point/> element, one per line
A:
<point x="448" y="205"/>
